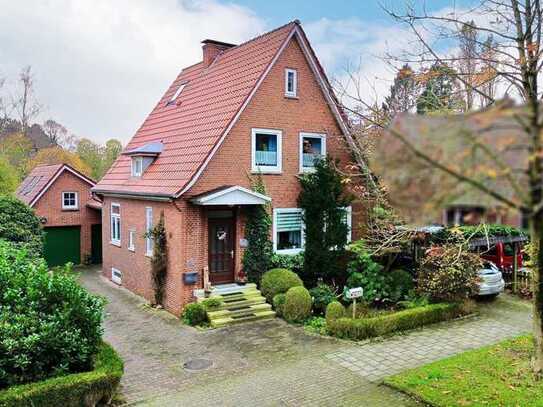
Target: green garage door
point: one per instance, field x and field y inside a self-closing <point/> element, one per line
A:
<point x="62" y="245"/>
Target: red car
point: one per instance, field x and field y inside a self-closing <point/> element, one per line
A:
<point x="502" y="255"/>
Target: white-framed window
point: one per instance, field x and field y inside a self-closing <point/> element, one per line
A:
<point x="266" y="150"/>
<point x="348" y="219"/>
<point x="177" y="93"/>
<point x="288" y="230"/>
<point x="116" y="276"/>
<point x="291" y="83"/>
<point x="132" y="240"/>
<point x="137" y="166"/>
<point x="115" y="218"/>
<point x="148" y="227"/>
<point x="69" y="200"/>
<point x="312" y="147"/>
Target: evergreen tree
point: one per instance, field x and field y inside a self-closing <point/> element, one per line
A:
<point x="440" y="93"/>
<point x="403" y="93"/>
<point x="323" y="201"/>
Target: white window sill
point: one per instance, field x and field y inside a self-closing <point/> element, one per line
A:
<point x="70" y="208"/>
<point x="289" y="251"/>
<point x="291" y="96"/>
<point x="305" y="170"/>
<point x="115" y="243"/>
<point x="132" y="249"/>
<point x="266" y="172"/>
<point x="149" y="255"/>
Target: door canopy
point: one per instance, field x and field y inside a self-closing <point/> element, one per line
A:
<point x="231" y="195"/>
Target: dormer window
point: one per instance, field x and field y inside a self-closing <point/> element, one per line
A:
<point x="291" y="83"/>
<point x="137" y="166"/>
<point x="177" y="93"/>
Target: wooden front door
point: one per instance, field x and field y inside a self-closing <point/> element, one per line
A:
<point x="221" y="250"/>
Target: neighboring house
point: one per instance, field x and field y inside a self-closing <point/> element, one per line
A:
<point x="61" y="196"/>
<point x="468" y="143"/>
<point x="264" y="106"/>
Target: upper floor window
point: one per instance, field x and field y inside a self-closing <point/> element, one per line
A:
<point x="115" y="224"/>
<point x="288" y="230"/>
<point x="148" y="227"/>
<point x="132" y="240"/>
<point x="69" y="200"/>
<point x="266" y="150"/>
<point x="312" y="148"/>
<point x="291" y="83"/>
<point x="137" y="166"/>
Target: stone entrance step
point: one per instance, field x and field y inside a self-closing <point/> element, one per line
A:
<point x="240" y="303"/>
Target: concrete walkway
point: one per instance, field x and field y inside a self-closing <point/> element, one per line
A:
<point x="271" y="363"/>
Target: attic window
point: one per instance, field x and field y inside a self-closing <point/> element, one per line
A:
<point x="137" y="166"/>
<point x="177" y="93"/>
<point x="291" y="83"/>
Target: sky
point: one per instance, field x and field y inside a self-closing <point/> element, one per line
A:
<point x="100" y="66"/>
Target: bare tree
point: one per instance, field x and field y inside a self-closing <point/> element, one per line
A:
<point x="24" y="101"/>
<point x="515" y="56"/>
<point x="56" y="132"/>
<point x="467" y="64"/>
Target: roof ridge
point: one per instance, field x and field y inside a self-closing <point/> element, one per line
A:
<point x="293" y="22"/>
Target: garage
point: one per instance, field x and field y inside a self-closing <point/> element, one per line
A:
<point x="62" y="245"/>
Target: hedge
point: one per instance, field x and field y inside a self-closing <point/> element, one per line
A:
<point x="364" y="328"/>
<point x="78" y="389"/>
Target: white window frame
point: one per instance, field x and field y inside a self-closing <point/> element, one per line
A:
<point x="301" y="148"/>
<point x="274" y="231"/>
<point x="132" y="240"/>
<point x="349" y="210"/>
<point x="148" y="227"/>
<point x="267" y="169"/>
<point x="116" y="279"/>
<point x="293" y="93"/>
<point x="117" y="218"/>
<point x="135" y="161"/>
<point x="70" y="207"/>
<point x="177" y="93"/>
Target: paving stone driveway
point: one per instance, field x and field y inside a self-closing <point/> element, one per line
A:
<point x="271" y="363"/>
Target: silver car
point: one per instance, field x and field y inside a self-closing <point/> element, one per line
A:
<point x="491" y="279"/>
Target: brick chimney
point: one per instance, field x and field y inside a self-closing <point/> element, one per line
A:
<point x="211" y="49"/>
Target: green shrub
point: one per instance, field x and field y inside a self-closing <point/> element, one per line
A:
<point x="334" y="310"/>
<point x="449" y="273"/>
<point x="212" y="303"/>
<point x="359" y="329"/>
<point x="366" y="273"/>
<point x="49" y="324"/>
<point x="401" y="282"/>
<point x="20" y="225"/>
<point x="293" y="262"/>
<point x="73" y="390"/>
<point x="322" y="296"/>
<point x="279" y="303"/>
<point x="362" y="310"/>
<point x="194" y="314"/>
<point x="297" y="306"/>
<point x="278" y="281"/>
<point x="316" y="325"/>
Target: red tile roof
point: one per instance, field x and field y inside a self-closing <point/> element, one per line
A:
<point x="40" y="179"/>
<point x="194" y="125"/>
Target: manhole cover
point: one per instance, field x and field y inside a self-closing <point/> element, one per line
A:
<point x="197" y="364"/>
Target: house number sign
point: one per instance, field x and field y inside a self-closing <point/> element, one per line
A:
<point x="356" y="292"/>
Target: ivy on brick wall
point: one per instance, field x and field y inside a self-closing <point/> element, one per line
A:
<point x="159" y="261"/>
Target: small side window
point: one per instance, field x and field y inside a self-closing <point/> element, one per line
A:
<point x="69" y="201"/>
<point x="291" y="83"/>
<point x="132" y="240"/>
<point x="116" y="276"/>
<point x="137" y="166"/>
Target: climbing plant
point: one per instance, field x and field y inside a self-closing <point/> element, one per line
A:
<point x="159" y="261"/>
<point x="323" y="201"/>
<point x="257" y="256"/>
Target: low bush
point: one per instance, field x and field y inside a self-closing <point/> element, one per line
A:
<point x="293" y="262"/>
<point x="362" y="310"/>
<point x="449" y="273"/>
<point x="297" y="307"/>
<point x="401" y="283"/>
<point x="366" y="273"/>
<point x="49" y="324"/>
<point x="73" y="390"/>
<point x="322" y="295"/>
<point x="359" y="329"/>
<point x="279" y="303"/>
<point x="316" y="325"/>
<point x="212" y="303"/>
<point x="334" y="310"/>
<point x="278" y="281"/>
<point x="194" y="314"/>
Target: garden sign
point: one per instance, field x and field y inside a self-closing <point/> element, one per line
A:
<point x="353" y="294"/>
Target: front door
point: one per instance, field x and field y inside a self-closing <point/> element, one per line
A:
<point x="221" y="250"/>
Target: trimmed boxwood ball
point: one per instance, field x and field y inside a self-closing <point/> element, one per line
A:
<point x="194" y="314"/>
<point x="279" y="303"/>
<point x="334" y="310"/>
<point x="298" y="304"/>
<point x="278" y="281"/>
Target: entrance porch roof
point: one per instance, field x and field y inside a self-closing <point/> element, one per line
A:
<point x="231" y="195"/>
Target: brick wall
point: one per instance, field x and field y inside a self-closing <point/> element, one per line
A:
<point x="50" y="207"/>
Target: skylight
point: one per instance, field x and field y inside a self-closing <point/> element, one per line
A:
<point x="177" y="92"/>
<point x="30" y="185"/>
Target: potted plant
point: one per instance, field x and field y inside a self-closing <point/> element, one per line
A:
<point x="241" y="278"/>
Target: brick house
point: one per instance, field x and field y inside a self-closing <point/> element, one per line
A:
<point x="61" y="196"/>
<point x="264" y="106"/>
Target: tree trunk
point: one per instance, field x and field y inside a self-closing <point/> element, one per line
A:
<point x="537" y="238"/>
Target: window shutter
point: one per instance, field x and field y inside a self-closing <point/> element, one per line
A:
<point x="289" y="221"/>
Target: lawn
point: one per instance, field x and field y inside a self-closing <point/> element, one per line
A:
<point x="497" y="375"/>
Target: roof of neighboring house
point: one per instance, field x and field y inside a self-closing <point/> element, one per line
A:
<point x="41" y="178"/>
<point x="193" y="126"/>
